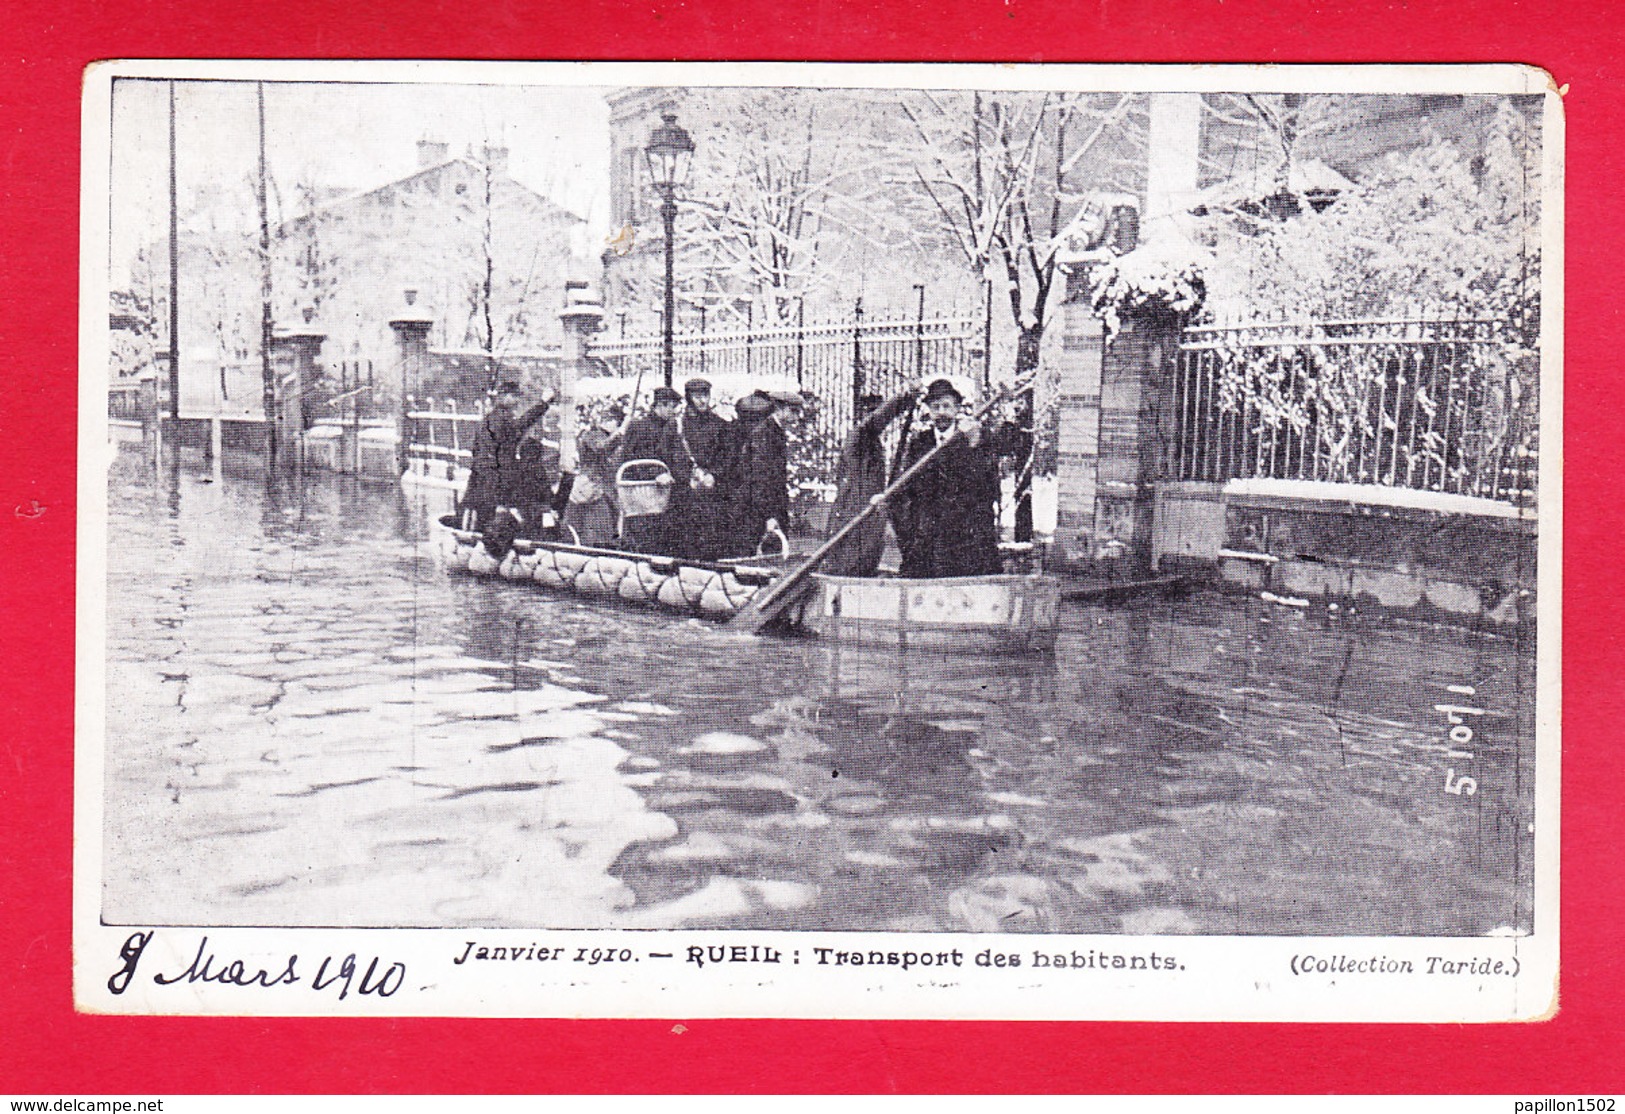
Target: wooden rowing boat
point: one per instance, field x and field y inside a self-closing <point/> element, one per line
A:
<point x="980" y="614"/>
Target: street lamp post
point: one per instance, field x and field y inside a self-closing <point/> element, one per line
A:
<point x="669" y="153"/>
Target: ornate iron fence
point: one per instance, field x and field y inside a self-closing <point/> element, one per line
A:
<point x="1447" y="406"/>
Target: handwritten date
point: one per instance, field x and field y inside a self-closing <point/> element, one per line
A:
<point x="333" y="974"/>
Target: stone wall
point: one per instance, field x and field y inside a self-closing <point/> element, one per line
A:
<point x="1475" y="563"/>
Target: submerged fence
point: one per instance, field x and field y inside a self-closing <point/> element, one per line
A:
<point x="834" y="362"/>
<point x="1446" y="406"/>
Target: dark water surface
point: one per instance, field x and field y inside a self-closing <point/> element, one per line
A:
<point x="309" y="723"/>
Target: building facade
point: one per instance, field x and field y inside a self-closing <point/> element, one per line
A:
<point x="487" y="256"/>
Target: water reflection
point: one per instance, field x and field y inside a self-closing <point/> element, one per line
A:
<point x="310" y="723"/>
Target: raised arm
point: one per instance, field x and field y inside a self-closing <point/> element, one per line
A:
<point x="889" y="410"/>
<point x="534" y="414"/>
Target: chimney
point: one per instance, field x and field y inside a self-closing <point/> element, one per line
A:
<point x="497" y="159"/>
<point x="431" y="153"/>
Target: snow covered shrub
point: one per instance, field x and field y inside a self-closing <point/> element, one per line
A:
<point x="1165" y="279"/>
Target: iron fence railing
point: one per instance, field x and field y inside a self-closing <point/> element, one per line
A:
<point x="834" y="362"/>
<point x="1447" y="406"/>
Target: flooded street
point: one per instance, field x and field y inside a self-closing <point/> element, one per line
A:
<point x="309" y="723"/>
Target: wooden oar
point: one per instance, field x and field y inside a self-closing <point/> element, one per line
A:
<point x="773" y="601"/>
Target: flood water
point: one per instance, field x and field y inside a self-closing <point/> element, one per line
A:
<point x="310" y="723"/>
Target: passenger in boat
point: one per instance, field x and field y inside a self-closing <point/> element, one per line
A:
<point x="950" y="507"/>
<point x="532" y="505"/>
<point x="761" y="503"/>
<point x="593" y="511"/>
<point x="654" y="437"/>
<point x="859" y="477"/>
<point x="698" y="515"/>
<point x="496" y="441"/>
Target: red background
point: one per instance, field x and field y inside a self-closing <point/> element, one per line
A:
<point x="46" y="1048"/>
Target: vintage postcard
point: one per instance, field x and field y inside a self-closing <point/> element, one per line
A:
<point x="633" y="540"/>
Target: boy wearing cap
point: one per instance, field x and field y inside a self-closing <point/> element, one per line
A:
<point x="950" y="507"/>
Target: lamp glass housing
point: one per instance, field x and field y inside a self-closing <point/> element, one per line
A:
<point x="670" y="152"/>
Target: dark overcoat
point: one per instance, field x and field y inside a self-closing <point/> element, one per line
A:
<point x="761" y="484"/>
<point x="528" y="494"/>
<point x="699" y="515"/>
<point x="496" y="444"/>
<point x="951" y="508"/>
<point x="859" y="477"/>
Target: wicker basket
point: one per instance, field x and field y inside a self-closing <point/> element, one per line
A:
<point x="644" y="487"/>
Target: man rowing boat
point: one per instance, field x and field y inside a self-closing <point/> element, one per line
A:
<point x="946" y="517"/>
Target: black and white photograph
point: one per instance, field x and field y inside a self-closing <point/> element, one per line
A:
<point x="637" y="540"/>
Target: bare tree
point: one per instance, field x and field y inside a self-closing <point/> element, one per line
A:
<point x="790" y="197"/>
<point x="1004" y="175"/>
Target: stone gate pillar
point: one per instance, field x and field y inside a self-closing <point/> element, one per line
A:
<point x="1134" y="408"/>
<point x="582" y="316"/>
<point x="295" y="353"/>
<point x="411" y="325"/>
<point x="1083" y="347"/>
<point x="1114" y="421"/>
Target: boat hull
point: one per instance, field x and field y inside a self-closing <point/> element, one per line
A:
<point x="970" y="614"/>
<point x="974" y="614"/>
<point x="710" y="591"/>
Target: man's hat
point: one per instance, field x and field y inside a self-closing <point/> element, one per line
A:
<point x="757" y="402"/>
<point x="666" y="394"/>
<point x="697" y="386"/>
<point x="509" y="387"/>
<point x="942" y="388"/>
<point x="786" y="398"/>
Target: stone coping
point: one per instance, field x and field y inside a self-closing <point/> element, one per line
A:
<point x="1342" y="498"/>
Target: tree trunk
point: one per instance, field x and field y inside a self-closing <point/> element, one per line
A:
<point x="1027" y="349"/>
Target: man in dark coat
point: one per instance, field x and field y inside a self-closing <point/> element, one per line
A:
<point x="531" y="504"/>
<point x="761" y="502"/>
<point x="496" y="443"/>
<point x="699" y="498"/>
<point x="859" y="477"/>
<point x="951" y="505"/>
<point x="654" y="437"/>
